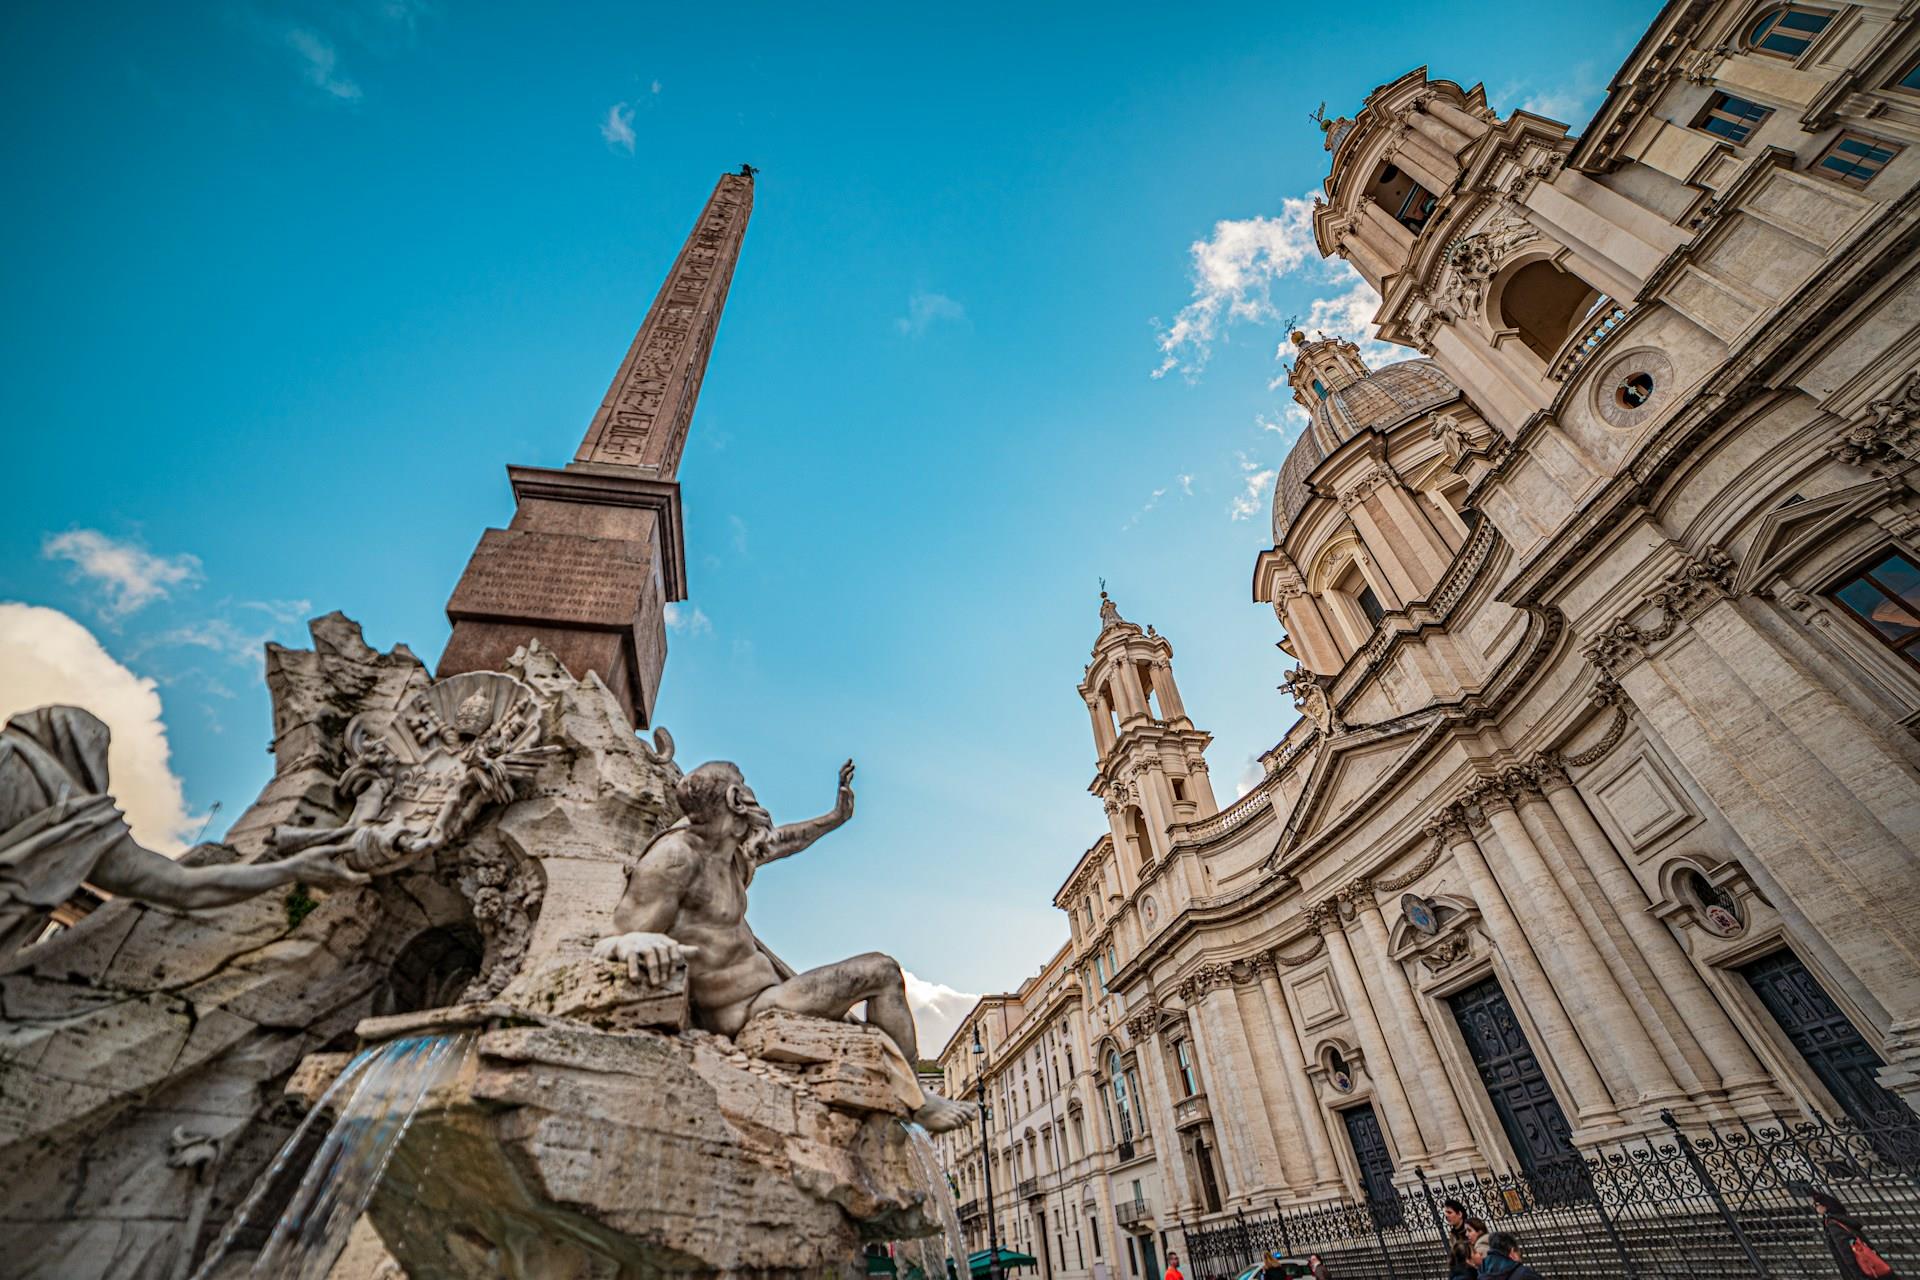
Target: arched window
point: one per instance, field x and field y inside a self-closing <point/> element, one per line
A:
<point x="1122" y="1105"/>
<point x="1786" y="31"/>
<point x="1405" y="200"/>
<point x="1136" y="832"/>
<point x="1320" y="388"/>
<point x="1544" y="303"/>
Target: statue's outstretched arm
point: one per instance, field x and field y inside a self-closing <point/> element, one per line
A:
<point x="795" y="836"/>
<point x="132" y="871"/>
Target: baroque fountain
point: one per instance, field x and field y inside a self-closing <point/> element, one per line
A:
<point x="469" y="990"/>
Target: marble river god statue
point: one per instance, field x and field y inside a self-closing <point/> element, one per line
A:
<point x="60" y="828"/>
<point x="686" y="901"/>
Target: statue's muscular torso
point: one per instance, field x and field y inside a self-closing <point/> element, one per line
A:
<point x="692" y="891"/>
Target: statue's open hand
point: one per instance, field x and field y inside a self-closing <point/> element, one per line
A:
<point x="845" y="802"/>
<point x="649" y="957"/>
<point x="317" y="867"/>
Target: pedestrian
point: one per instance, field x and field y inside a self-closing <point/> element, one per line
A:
<point x="1852" y="1252"/>
<point x="1459" y="1248"/>
<point x="1316" y="1267"/>
<point x="1503" y="1259"/>
<point x="1173" y="1267"/>
<point x="1476" y="1232"/>
<point x="1273" y="1267"/>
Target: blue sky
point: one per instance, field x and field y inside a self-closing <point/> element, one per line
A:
<point x="291" y="285"/>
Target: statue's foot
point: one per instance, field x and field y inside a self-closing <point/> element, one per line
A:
<point x="939" y="1115"/>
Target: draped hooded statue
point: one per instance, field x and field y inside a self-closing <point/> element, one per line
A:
<point x="60" y="829"/>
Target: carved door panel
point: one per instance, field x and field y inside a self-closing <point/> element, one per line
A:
<point x="1838" y="1054"/>
<point x="1529" y="1113"/>
<point x="1375" y="1162"/>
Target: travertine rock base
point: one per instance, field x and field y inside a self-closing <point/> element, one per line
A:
<point x="574" y="1153"/>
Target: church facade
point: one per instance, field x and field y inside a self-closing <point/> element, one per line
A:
<point x="1604" y="800"/>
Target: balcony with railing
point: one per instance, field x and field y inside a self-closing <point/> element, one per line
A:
<point x="1029" y="1188"/>
<point x="1588" y="336"/>
<point x="971" y="1209"/>
<point x="1190" y="1111"/>
<point x="1129" y="1212"/>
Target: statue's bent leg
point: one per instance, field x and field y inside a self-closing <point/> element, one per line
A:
<point x="832" y="990"/>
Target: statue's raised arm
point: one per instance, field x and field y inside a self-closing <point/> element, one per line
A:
<point x="795" y="836"/>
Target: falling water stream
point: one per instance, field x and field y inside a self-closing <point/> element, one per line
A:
<point x="932" y="1252"/>
<point x="388" y="1084"/>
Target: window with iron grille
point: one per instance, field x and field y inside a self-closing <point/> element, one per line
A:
<point x="1731" y="118"/>
<point x="1854" y="158"/>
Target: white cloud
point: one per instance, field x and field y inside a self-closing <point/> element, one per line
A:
<point x="617" y="128"/>
<point x="937" y="1011"/>
<point x="1256" y="481"/>
<point x="131" y="576"/>
<point x="1571" y="99"/>
<point x="924" y="310"/>
<point x="46" y="657"/>
<point x="1185" y="481"/>
<point x="692" y="622"/>
<point x="216" y="635"/>
<point x="654" y="88"/>
<point x="1250" y="775"/>
<point x="739" y="528"/>
<point x="319" y="64"/>
<point x="1233" y="274"/>
<point x="286" y="611"/>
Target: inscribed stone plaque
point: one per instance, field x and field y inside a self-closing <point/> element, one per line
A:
<point x="553" y="577"/>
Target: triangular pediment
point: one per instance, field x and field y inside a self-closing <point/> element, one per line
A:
<point x="1348" y="772"/>
<point x="1787" y="533"/>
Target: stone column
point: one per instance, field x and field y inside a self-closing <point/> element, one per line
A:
<point x="1125" y="683"/>
<point x="1150" y="1047"/>
<point x="1391" y="241"/>
<point x="1248" y="1143"/>
<point x="1102" y="726"/>
<point x="1397" y="576"/>
<point x="1381" y="1068"/>
<point x="1441" y="133"/>
<point x="1444" y="1124"/>
<point x="1632" y="1066"/>
<point x="1462" y="120"/>
<point x="1590" y="1102"/>
<point x="1275" y="1075"/>
<point x="1429" y="165"/>
<point x="1700" y="1012"/>
<point x="1293" y="1061"/>
<point x="1169" y="694"/>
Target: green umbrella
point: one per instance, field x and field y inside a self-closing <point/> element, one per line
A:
<point x="977" y="1262"/>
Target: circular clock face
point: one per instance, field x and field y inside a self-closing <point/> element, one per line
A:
<point x="1633" y="388"/>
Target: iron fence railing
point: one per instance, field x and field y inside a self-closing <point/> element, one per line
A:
<point x="1724" y="1205"/>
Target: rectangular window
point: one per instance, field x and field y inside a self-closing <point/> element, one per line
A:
<point x="1731" y="118"/>
<point x="1886" y="597"/>
<point x="1854" y="158"/>
<point x="1911" y="80"/>
<point x="1133" y="1264"/>
<point x="1183" y="1054"/>
<point x="1370" y="605"/>
<point x="1788" y="30"/>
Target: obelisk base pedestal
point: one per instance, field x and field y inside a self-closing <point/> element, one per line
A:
<point x="587" y="567"/>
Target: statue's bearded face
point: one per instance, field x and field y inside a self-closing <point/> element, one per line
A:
<point x="718" y="791"/>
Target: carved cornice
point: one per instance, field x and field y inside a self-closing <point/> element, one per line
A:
<point x="1324" y="917"/>
<point x="1885" y="436"/>
<point x="1208" y="977"/>
<point x="1681" y="595"/>
<point x="1357" y="893"/>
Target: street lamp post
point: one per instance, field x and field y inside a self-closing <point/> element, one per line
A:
<point x="986" y="1157"/>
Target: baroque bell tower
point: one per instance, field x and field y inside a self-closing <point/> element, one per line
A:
<point x="1151" y="768"/>
<point x="596" y="550"/>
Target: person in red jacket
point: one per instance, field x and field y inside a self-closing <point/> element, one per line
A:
<point x="1173" y="1267"/>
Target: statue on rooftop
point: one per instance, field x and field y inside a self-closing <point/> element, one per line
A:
<point x="687" y="900"/>
<point x="60" y="829"/>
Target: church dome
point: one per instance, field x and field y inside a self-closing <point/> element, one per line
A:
<point x="1380" y="401"/>
<point x="1383" y="399"/>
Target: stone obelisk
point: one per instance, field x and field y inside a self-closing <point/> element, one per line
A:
<point x="596" y="550"/>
